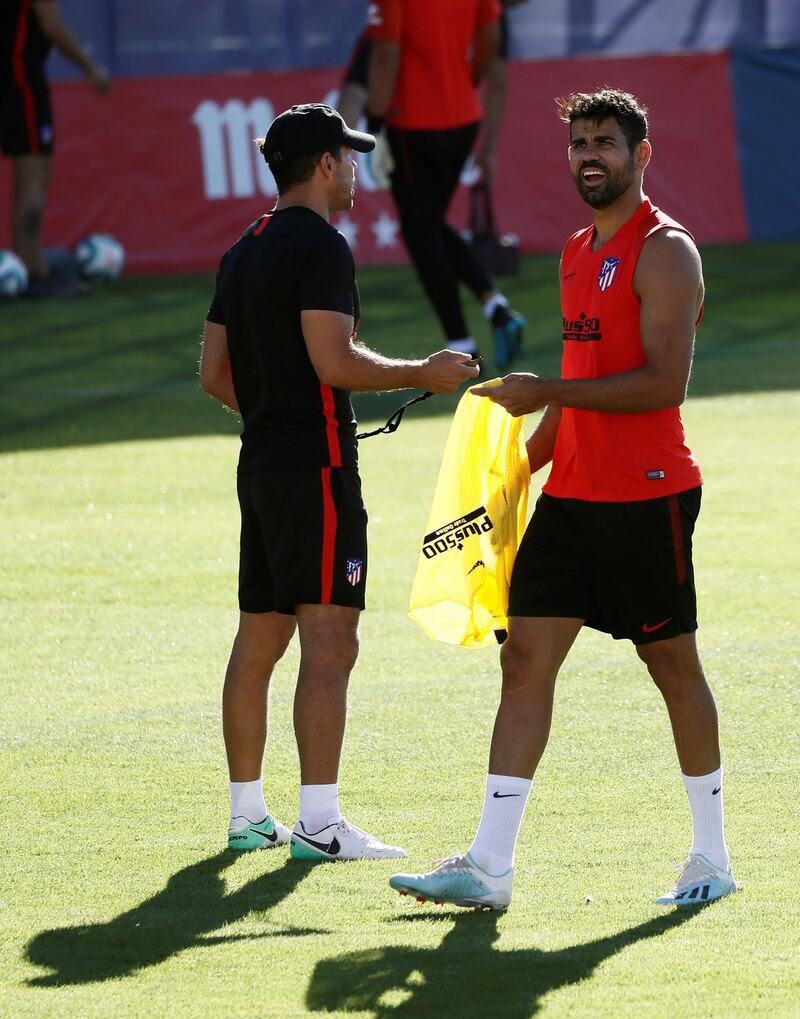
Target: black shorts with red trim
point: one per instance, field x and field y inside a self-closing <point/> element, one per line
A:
<point x="303" y="539"/>
<point x="26" y="119"/>
<point x="623" y="567"/>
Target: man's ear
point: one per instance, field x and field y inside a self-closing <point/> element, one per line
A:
<point x="644" y="151"/>
<point x="327" y="163"/>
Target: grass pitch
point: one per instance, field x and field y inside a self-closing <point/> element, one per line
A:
<point x="117" y="608"/>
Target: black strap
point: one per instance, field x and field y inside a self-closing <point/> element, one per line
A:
<point x="481" y="212"/>
<point x="394" y="421"/>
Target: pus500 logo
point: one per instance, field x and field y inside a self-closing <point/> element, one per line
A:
<point x="454" y="534"/>
<point x="583" y="328"/>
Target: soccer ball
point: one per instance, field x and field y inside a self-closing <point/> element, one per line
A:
<point x="100" y="257"/>
<point x="13" y="275"/>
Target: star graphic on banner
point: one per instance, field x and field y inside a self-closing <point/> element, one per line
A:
<point x="349" y="229"/>
<point x="385" y="229"/>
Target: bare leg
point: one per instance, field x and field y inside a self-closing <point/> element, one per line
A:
<point x="261" y="641"/>
<point x="530" y="658"/>
<point x="328" y="652"/>
<point x="676" y="670"/>
<point x="352" y="103"/>
<point x="29" y="191"/>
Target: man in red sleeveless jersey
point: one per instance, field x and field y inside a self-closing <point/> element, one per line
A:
<point x="609" y="544"/>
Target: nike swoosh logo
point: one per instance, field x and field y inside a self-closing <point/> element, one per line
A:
<point x="272" y="836"/>
<point x="503" y="796"/>
<point x="324" y="847"/>
<point x="715" y="791"/>
<point x="656" y="626"/>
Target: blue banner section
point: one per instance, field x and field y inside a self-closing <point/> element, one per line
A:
<point x="766" y="87"/>
<point x="162" y="37"/>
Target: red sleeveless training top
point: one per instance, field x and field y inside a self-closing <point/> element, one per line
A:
<point x="598" y="456"/>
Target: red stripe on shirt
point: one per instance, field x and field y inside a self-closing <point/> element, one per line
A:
<point x="331" y="425"/>
<point x="329" y="524"/>
<point x="18" y="64"/>
<point x="262" y="226"/>
<point x="677" y="537"/>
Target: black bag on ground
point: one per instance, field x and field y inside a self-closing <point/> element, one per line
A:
<point x="497" y="256"/>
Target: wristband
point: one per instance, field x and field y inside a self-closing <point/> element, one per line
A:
<point x="374" y="123"/>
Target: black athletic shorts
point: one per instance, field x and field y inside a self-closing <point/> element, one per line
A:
<point x="623" y="567"/>
<point x="303" y="539"/>
<point x="26" y="120"/>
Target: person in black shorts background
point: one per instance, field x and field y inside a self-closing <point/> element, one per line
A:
<point x="28" y="31"/>
<point x="280" y="349"/>
<point x="426" y="62"/>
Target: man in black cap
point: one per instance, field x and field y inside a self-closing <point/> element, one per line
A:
<point x="280" y="349"/>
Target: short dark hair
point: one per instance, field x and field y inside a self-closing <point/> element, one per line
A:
<point x="292" y="172"/>
<point x="629" y="113"/>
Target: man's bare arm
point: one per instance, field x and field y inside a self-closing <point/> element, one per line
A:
<point x="340" y="361"/>
<point x="215" y="366"/>
<point x="669" y="283"/>
<point x="484" y="49"/>
<point x="384" y="64"/>
<point x="56" y="31"/>
<point x="542" y="440"/>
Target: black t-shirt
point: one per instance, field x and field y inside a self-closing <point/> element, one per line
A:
<point x="285" y="263"/>
<point x="19" y="27"/>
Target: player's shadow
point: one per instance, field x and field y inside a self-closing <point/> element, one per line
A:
<point x="193" y="904"/>
<point x="466" y="975"/>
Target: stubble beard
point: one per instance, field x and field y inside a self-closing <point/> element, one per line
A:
<point x="615" y="185"/>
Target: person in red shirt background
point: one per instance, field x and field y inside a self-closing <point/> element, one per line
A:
<point x="610" y="542"/>
<point x="426" y="62"/>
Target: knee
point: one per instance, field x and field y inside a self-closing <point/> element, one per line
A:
<point x="520" y="669"/>
<point x="675" y="675"/>
<point x="336" y="658"/>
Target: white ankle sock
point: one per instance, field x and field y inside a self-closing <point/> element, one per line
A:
<point x="708" y="826"/>
<point x="503" y="807"/>
<point x="465" y="346"/>
<point x="492" y="304"/>
<point x="319" y="806"/>
<point x="247" y="801"/>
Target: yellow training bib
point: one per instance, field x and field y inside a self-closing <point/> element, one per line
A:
<point x="460" y="591"/>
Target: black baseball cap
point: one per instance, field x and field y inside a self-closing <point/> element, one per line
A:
<point x="309" y="128"/>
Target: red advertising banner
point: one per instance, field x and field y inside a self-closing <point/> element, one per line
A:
<point x="168" y="165"/>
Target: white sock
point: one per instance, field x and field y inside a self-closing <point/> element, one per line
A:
<point x="319" y="806"/>
<point x="247" y="802"/>
<point x="503" y="807"/>
<point x="493" y="304"/>
<point x="708" y="826"/>
<point x="465" y="346"/>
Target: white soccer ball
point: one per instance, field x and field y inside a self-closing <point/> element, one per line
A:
<point x="100" y="257"/>
<point x="13" y="275"/>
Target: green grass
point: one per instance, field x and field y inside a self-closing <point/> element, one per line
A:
<point x="117" y="608"/>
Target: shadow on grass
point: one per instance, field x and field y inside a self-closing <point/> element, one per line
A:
<point x="466" y="975"/>
<point x="192" y="905"/>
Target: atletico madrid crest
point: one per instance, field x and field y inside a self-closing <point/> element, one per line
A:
<point x="354" y="568"/>
<point x="608" y="270"/>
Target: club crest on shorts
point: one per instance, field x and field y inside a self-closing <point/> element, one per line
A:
<point x="354" y="569"/>
<point x="608" y="270"/>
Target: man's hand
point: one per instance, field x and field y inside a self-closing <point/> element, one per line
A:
<point x="520" y="393"/>
<point x="380" y="162"/>
<point x="446" y="370"/>
<point x="100" y="79"/>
